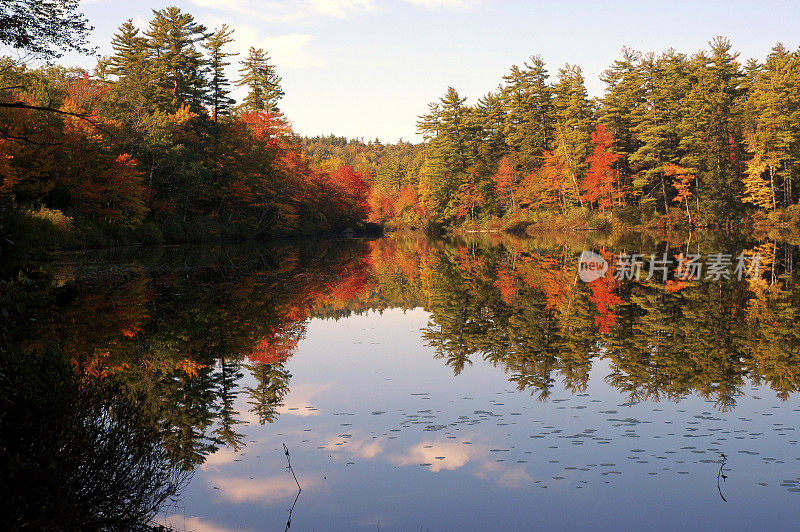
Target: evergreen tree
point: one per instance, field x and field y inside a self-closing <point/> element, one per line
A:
<point x="490" y="118"/>
<point x="619" y="105"/>
<point x="530" y="122"/>
<point x="132" y="68"/>
<point x="449" y="129"/>
<point x="657" y="124"/>
<point x="130" y="52"/>
<point x="452" y="135"/>
<point x="219" y="84"/>
<point x="573" y="126"/>
<point x="711" y="136"/>
<point x="772" y="129"/>
<point x="262" y="82"/>
<point x="177" y="64"/>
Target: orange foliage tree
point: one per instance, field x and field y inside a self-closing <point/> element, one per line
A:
<point x="682" y="181"/>
<point x="545" y="188"/>
<point x="600" y="186"/>
<point x="505" y="184"/>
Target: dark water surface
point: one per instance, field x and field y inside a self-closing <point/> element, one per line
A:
<point x="452" y="385"/>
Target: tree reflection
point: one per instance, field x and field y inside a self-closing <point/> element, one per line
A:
<point x="195" y="339"/>
<point x="78" y="452"/>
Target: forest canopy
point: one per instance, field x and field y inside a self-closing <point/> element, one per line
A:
<point x="150" y="146"/>
<point x="675" y="140"/>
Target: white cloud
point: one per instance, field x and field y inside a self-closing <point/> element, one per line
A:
<point x="443" y="456"/>
<point x="307" y="9"/>
<point x="298" y="402"/>
<point x="264" y="490"/>
<point x="340" y="8"/>
<point x="289" y="51"/>
<point x="238" y="6"/>
<point x="221" y="456"/>
<point x="366" y="448"/>
<point x="506" y="476"/>
<point x="288" y="11"/>
<point x="438" y="4"/>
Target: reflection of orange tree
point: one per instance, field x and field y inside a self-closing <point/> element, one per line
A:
<point x="604" y="296"/>
<point x="523" y="310"/>
<point x="278" y="344"/>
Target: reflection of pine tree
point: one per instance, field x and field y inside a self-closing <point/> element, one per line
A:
<point x="184" y="405"/>
<point x="668" y="345"/>
<point x="272" y="385"/>
<point x="226" y="381"/>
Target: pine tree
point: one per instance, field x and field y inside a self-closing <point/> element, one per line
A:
<point x="130" y="52"/>
<point x="573" y="126"/>
<point x="262" y="82"/>
<point x="178" y="66"/>
<point x="490" y="118"/>
<point x="657" y="123"/>
<point x="711" y="136"/>
<point x="452" y="137"/>
<point x="772" y="130"/>
<point x="530" y="123"/>
<point x="133" y="91"/>
<point x="219" y="92"/>
<point x="622" y="98"/>
<point x="454" y="130"/>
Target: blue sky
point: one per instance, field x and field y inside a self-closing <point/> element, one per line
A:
<point x="368" y="68"/>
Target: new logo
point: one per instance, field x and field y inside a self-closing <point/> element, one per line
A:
<point x="591" y="266"/>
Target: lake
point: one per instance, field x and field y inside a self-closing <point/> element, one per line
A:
<point x="477" y="383"/>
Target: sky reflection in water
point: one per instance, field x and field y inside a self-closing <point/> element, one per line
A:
<point x="450" y="385"/>
<point x="384" y="435"/>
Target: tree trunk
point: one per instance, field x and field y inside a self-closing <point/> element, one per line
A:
<point x="772" y="186"/>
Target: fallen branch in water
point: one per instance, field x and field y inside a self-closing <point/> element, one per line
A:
<point x="722" y="475"/>
<point x="289" y="461"/>
<point x="299" y="489"/>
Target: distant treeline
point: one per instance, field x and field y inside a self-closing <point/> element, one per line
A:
<point x="675" y="140"/>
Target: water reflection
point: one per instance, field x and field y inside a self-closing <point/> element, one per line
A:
<point x="203" y="339"/>
<point x="78" y="452"/>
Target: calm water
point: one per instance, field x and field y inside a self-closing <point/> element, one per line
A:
<point x="449" y="385"/>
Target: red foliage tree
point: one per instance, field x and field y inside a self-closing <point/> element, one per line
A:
<point x="505" y="184"/>
<point x="600" y="186"/>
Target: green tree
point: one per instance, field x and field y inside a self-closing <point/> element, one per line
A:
<point x="711" y="138"/>
<point x="573" y="126"/>
<point x="44" y="28"/>
<point x="622" y="98"/>
<point x="772" y="129"/>
<point x="530" y="122"/>
<point x="132" y="94"/>
<point x="658" y="123"/>
<point x="262" y="82"/>
<point x="219" y="84"/>
<point x="178" y="65"/>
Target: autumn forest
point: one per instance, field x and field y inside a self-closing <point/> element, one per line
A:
<point x="150" y="147"/>
<point x="212" y="319"/>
